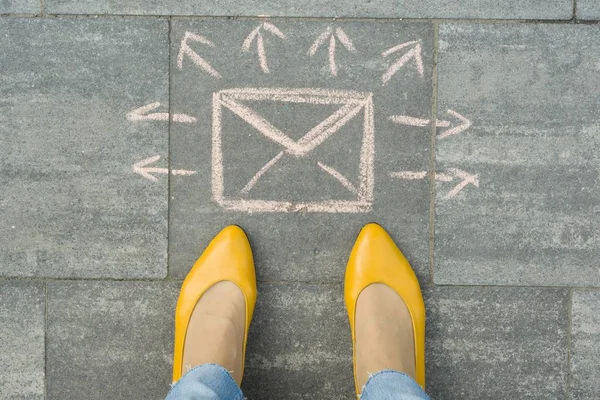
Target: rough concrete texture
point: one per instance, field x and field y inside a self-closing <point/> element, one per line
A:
<point x="110" y="340"/>
<point x="530" y="94"/>
<point x="585" y="345"/>
<point x="496" y="343"/>
<point x="20" y="6"/>
<point x="71" y="204"/>
<point x="503" y="9"/>
<point x="588" y="9"/>
<point x="299" y="245"/>
<point x="299" y="345"/>
<point x="22" y="340"/>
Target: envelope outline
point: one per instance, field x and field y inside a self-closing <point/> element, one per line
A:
<point x="352" y="102"/>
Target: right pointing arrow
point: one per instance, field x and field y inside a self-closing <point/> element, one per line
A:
<point x="440" y="123"/>
<point x="466" y="178"/>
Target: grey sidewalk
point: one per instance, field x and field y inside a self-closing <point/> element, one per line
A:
<point x="470" y="132"/>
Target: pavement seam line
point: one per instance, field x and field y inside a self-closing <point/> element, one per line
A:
<point x="432" y="148"/>
<point x="45" y="285"/>
<point x="169" y="165"/>
<point x="569" y="342"/>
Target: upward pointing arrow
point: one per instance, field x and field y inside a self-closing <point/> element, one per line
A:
<point x="413" y="53"/>
<point x="260" y="45"/>
<point x="331" y="35"/>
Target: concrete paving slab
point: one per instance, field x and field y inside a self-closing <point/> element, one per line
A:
<point x="20" y="7"/>
<point x="302" y="206"/>
<point x="299" y="345"/>
<point x="110" y="340"/>
<point x="496" y="343"/>
<point x="585" y="345"/>
<point x="530" y="95"/>
<point x="22" y="345"/>
<point x="504" y="9"/>
<point x="588" y="9"/>
<point x="72" y="205"/>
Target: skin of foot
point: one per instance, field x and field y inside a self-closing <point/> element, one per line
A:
<point x="384" y="333"/>
<point x="215" y="333"/>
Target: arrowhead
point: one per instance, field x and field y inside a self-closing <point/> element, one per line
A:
<point x="139" y="113"/>
<point x="465" y="124"/>
<point x="414" y="52"/>
<point x="139" y="168"/>
<point x="467" y="179"/>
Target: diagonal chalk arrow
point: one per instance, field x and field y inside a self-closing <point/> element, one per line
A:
<point x="414" y="53"/>
<point x="260" y="44"/>
<point x="141" y="168"/>
<point x="185" y="49"/>
<point x="330" y="34"/>
<point x="141" y="114"/>
<point x="453" y="130"/>
<point x="465" y="177"/>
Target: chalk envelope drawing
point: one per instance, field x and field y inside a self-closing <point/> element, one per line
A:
<point x="239" y="101"/>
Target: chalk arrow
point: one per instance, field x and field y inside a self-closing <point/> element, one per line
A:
<point x="414" y="53"/>
<point x="141" y="114"/>
<point x="464" y="125"/>
<point x="141" y="168"/>
<point x="453" y="130"/>
<point x="331" y="35"/>
<point x="454" y="173"/>
<point x="466" y="180"/>
<point x="185" y="49"/>
<point x="260" y="44"/>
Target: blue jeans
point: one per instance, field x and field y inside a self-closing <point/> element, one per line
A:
<point x="213" y="382"/>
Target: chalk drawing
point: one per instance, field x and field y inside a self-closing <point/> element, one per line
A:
<point x="185" y="49"/>
<point x="465" y="123"/>
<point x="240" y="102"/>
<point x="141" y="114"/>
<point x="260" y="45"/>
<point x="465" y="178"/>
<point x="331" y="35"/>
<point x="414" y="53"/>
<point x="141" y="168"/>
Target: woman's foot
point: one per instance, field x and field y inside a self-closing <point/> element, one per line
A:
<point x="384" y="333"/>
<point x="215" y="333"/>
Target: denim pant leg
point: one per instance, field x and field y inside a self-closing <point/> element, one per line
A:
<point x="392" y="385"/>
<point x="206" y="382"/>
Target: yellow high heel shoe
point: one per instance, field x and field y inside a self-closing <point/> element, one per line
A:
<point x="375" y="258"/>
<point x="228" y="257"/>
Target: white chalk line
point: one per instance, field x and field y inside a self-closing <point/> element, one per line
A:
<point x="367" y="156"/>
<point x="341" y="94"/>
<point x="466" y="124"/>
<point x="319" y="41"/>
<point x="466" y="179"/>
<point x="265" y="206"/>
<point x="261" y="172"/>
<point x="344" y="39"/>
<point x="141" y="168"/>
<point x="415" y="53"/>
<point x="139" y="114"/>
<point x="332" y="66"/>
<point x="412" y="121"/>
<point x="217" y="154"/>
<point x="260" y="44"/>
<point x="394" y="49"/>
<point x="185" y="49"/>
<point x="339" y="177"/>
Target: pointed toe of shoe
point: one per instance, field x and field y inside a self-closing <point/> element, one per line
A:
<point x="375" y="258"/>
<point x="228" y="257"/>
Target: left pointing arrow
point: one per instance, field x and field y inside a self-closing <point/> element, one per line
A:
<point x="141" y="168"/>
<point x="141" y="114"/>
